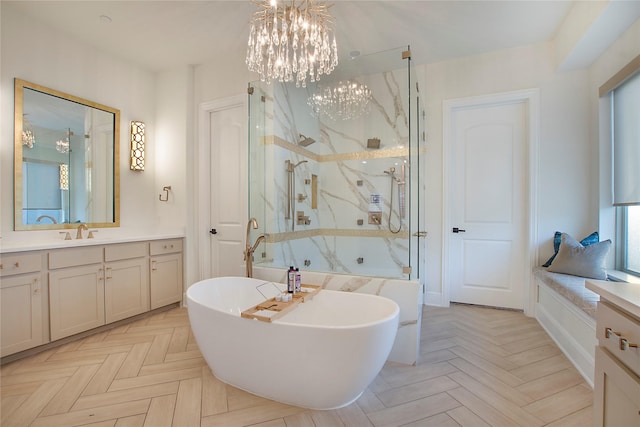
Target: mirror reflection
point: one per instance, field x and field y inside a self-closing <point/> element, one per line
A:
<point x="65" y="160"/>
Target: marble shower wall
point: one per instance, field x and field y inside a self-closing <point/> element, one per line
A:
<point x="347" y="173"/>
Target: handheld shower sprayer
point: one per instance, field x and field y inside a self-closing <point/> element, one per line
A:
<point x="291" y="190"/>
<point x="400" y="182"/>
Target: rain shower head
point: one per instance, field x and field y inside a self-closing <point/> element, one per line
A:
<point x="305" y="141"/>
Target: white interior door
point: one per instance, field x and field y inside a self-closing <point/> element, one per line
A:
<point x="228" y="171"/>
<point x="487" y="204"/>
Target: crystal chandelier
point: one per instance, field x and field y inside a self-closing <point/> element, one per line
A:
<point x="291" y="40"/>
<point x="62" y="145"/>
<point x="345" y="100"/>
<point x="28" y="137"/>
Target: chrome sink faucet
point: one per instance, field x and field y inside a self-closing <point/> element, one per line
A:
<point x="248" y="251"/>
<point x="80" y="228"/>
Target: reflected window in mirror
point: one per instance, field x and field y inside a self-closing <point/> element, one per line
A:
<point x="66" y="168"/>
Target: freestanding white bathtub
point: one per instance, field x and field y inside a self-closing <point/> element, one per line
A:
<point x="321" y="355"/>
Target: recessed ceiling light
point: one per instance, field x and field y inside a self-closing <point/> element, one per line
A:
<point x="104" y="19"/>
<point x="354" y="54"/>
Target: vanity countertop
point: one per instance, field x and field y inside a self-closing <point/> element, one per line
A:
<point x="53" y="240"/>
<point x="624" y="295"/>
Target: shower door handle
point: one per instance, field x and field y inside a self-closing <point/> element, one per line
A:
<point x="458" y="230"/>
<point x="213" y="231"/>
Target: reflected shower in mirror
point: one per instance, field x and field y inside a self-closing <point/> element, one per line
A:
<point x="65" y="160"/>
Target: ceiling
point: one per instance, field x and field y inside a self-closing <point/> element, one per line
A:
<point x="159" y="35"/>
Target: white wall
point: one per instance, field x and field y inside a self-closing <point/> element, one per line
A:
<point x="41" y="55"/>
<point x="565" y="187"/>
<point x="173" y="136"/>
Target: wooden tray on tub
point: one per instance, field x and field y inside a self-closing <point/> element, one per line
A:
<point x="280" y="308"/>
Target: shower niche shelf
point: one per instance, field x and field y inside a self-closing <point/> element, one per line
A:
<point x="280" y="308"/>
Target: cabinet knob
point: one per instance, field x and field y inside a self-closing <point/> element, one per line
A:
<point x="17" y="264"/>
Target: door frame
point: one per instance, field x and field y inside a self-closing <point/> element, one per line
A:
<point x="531" y="98"/>
<point x="203" y="183"/>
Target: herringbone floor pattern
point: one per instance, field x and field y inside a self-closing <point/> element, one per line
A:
<point x="478" y="367"/>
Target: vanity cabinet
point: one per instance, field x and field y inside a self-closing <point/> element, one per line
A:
<point x="166" y="272"/>
<point x="76" y="291"/>
<point x="21" y="297"/>
<point x="617" y="364"/>
<point x="55" y="293"/>
<point x="126" y="281"/>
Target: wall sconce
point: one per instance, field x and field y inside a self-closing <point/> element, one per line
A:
<point x="137" y="146"/>
<point x="64" y="177"/>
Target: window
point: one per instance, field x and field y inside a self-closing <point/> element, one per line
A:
<point x="628" y="248"/>
<point x="626" y="172"/>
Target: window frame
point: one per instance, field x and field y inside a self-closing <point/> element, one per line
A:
<point x="621" y="225"/>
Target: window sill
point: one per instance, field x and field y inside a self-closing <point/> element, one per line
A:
<point x="621" y="276"/>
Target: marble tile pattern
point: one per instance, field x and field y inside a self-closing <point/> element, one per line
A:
<point x="571" y="287"/>
<point x="348" y="175"/>
<point x="406" y="293"/>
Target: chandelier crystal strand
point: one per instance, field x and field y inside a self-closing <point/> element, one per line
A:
<point x="28" y="138"/>
<point x="293" y="40"/>
<point x="343" y="101"/>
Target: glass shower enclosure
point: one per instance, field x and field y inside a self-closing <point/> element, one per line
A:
<point x="334" y="184"/>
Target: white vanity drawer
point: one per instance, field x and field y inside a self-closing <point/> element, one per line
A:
<point x="19" y="264"/>
<point x="620" y="334"/>
<point x="125" y="251"/>
<point x="72" y="257"/>
<point x="159" y="247"/>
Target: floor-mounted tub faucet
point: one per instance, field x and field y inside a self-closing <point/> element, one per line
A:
<point x="248" y="251"/>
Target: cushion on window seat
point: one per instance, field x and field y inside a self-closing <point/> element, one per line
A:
<point x="578" y="260"/>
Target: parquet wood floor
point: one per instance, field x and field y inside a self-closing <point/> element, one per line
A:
<point x="478" y="367"/>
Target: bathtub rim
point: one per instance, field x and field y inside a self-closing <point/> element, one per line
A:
<point x="282" y="320"/>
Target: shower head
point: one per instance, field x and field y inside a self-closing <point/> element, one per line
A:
<point x="254" y="223"/>
<point x="306" y="141"/>
<point x="298" y="164"/>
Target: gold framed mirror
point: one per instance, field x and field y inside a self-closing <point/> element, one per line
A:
<point x="66" y="168"/>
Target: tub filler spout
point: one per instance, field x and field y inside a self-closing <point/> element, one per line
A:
<point x="249" y="249"/>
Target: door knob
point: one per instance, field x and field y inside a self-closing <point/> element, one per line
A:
<point x="213" y="231"/>
<point x="458" y="230"/>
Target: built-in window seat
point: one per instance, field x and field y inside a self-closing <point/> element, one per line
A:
<point x="567" y="311"/>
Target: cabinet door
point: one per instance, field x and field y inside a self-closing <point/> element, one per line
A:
<point x="126" y="288"/>
<point x="166" y="280"/>
<point x="616" y="393"/>
<point x="76" y="300"/>
<point x="21" y="313"/>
